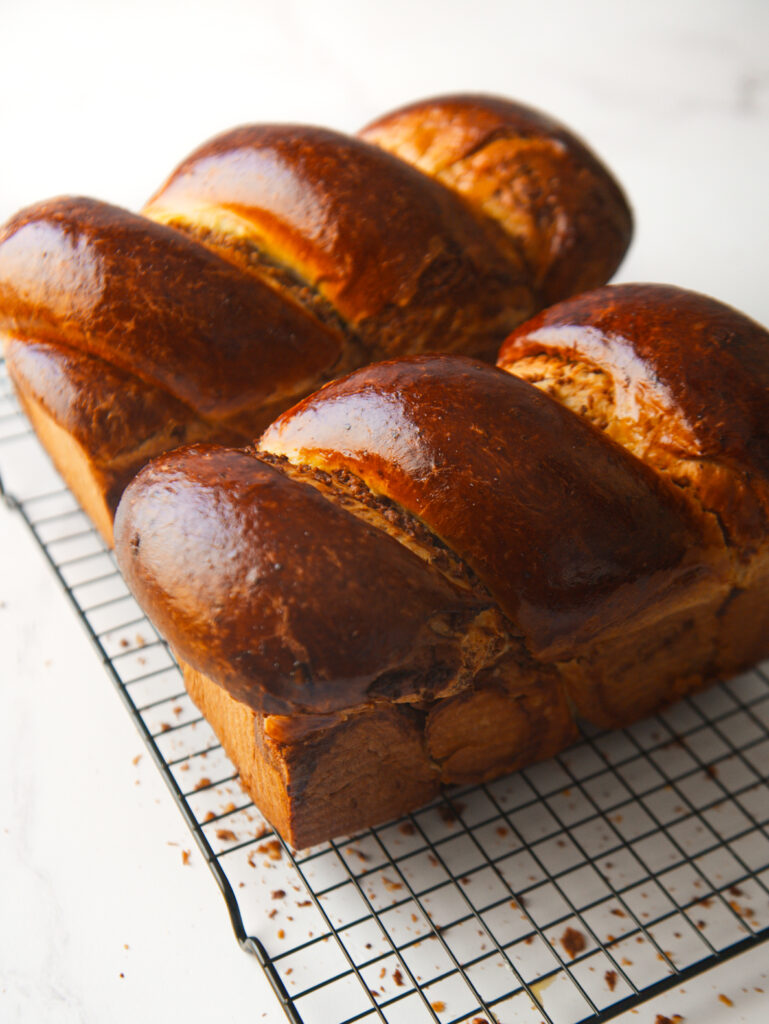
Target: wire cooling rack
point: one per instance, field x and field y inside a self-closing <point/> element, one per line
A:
<point x="570" y="891"/>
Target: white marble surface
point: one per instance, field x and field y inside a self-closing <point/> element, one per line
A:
<point x="99" y="918"/>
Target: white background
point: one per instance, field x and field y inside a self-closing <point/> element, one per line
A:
<point x="104" y="99"/>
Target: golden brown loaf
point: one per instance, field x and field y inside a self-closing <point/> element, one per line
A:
<point x="420" y="573"/>
<point x="277" y="257"/>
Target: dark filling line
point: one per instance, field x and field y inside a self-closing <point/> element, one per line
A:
<point x="350" y="492"/>
<point x="281" y="278"/>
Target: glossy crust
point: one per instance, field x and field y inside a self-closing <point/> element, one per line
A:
<point x="241" y="566"/>
<point x="682" y="382"/>
<point x="689" y="383"/>
<point x="546" y="189"/>
<point x="425" y="572"/>
<point x="566" y="531"/>
<point x="275" y="258"/>
<point x="144" y="298"/>
<point x="314" y="202"/>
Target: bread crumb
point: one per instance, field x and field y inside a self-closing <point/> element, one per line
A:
<point x="725" y="999"/>
<point x="185" y="856"/>
<point x="273" y="849"/>
<point x="449" y="813"/>
<point x="226" y="834"/>
<point x="439" y="1006"/>
<point x="136" y="759"/>
<point x="281" y="933"/>
<point x="742" y="911"/>
<point x="610" y="977"/>
<point x="357" y="853"/>
<point x="398" y="977"/>
<point x="202" y="783"/>
<point x="573" y="941"/>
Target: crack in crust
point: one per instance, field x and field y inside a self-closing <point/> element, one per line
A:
<point x="349" y="491"/>
<point x="245" y="252"/>
<point x="640" y="425"/>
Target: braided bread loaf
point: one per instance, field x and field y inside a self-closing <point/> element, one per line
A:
<point x="420" y="573"/>
<point x="277" y="257"/>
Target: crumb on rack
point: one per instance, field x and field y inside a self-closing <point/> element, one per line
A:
<point x="573" y="941"/>
<point x="271" y="848"/>
<point x="450" y="812"/>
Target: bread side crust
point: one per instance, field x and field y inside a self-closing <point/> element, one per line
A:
<point x="318" y="776"/>
<point x="318" y="783"/>
<point x="629" y="677"/>
<point x="80" y="473"/>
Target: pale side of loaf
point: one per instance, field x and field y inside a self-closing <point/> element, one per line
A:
<point x="278" y="257"/>
<point x="425" y="572"/>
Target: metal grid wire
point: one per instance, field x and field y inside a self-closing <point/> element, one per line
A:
<point x="570" y="891"/>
